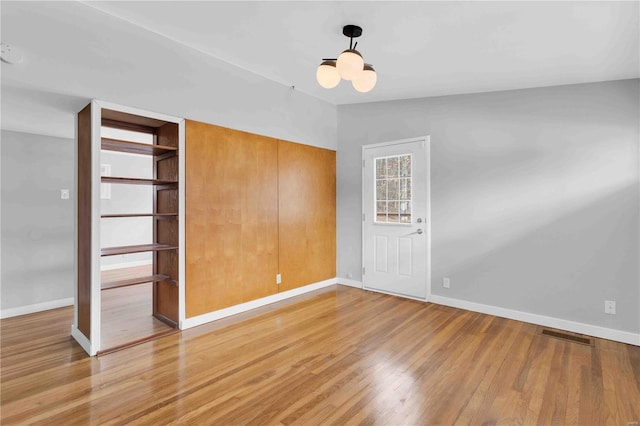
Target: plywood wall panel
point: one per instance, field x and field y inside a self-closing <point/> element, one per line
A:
<point x="231" y="217"/>
<point x="307" y="214"/>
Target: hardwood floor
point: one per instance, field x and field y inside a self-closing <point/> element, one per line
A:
<point x="338" y="356"/>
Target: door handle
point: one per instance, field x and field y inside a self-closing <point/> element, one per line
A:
<point x="419" y="232"/>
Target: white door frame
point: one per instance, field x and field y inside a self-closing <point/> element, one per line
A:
<point x="427" y="225"/>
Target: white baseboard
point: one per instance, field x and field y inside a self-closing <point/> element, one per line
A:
<point x="125" y="265"/>
<point x="82" y="340"/>
<point x="36" y="307"/>
<point x="350" y="282"/>
<point x="576" y="327"/>
<point x="243" y="307"/>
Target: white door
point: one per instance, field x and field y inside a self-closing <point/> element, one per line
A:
<point x="395" y="217"/>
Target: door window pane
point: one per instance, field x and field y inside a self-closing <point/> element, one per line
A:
<point x="405" y="189"/>
<point x="393" y="213"/>
<point x="381" y="210"/>
<point x="381" y="168"/>
<point x="393" y="189"/>
<point x="405" y="165"/>
<point x="405" y="212"/>
<point x="392" y="167"/>
<point x="381" y="190"/>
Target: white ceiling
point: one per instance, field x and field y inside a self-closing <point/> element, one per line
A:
<point x="75" y="51"/>
<point x="418" y="48"/>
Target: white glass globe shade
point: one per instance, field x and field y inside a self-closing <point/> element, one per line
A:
<point x="327" y="75"/>
<point x="350" y="64"/>
<point x="366" y="80"/>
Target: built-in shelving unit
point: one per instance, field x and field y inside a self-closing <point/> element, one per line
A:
<point x="163" y="278"/>
<point x="154" y="215"/>
<point x="137" y="181"/>
<point x="112" y="251"/>
<point x="136" y="147"/>
<point x="107" y="285"/>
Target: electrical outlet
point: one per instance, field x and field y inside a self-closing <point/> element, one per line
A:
<point x="610" y="307"/>
<point x="278" y="279"/>
<point x="64" y="194"/>
<point x="446" y="282"/>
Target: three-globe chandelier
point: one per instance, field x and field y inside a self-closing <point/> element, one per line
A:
<point x="348" y="66"/>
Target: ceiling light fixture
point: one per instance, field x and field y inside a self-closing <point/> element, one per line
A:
<point x="348" y="66"/>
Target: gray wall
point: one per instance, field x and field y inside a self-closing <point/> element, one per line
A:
<point x="535" y="195"/>
<point x="37" y="226"/>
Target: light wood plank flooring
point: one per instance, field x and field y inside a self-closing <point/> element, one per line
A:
<point x="338" y="356"/>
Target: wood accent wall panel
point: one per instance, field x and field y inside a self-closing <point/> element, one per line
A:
<point x="307" y="214"/>
<point x="84" y="221"/>
<point x="165" y="295"/>
<point x="231" y="217"/>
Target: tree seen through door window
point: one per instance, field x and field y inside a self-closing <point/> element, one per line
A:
<point x="393" y="189"/>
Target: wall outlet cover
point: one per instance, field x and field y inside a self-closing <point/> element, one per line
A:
<point x="610" y="307"/>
